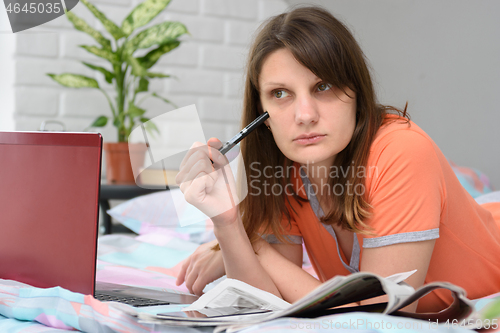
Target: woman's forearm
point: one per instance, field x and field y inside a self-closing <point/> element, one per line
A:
<point x="240" y="260"/>
<point x="260" y="265"/>
<point x="291" y="280"/>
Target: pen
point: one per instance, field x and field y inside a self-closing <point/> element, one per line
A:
<point x="243" y="133"/>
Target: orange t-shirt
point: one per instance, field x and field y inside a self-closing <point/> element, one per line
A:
<point x="415" y="197"/>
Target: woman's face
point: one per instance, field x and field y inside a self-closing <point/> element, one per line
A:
<point x="311" y="121"/>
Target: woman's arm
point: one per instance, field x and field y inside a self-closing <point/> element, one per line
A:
<point x="398" y="258"/>
<point x="213" y="193"/>
<point x="283" y="262"/>
<point x="206" y="265"/>
<point x="408" y="195"/>
<point x="262" y="266"/>
<point x="240" y="260"/>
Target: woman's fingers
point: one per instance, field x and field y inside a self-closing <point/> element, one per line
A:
<point x="201" y="169"/>
<point x="199" y="187"/>
<point x="211" y="149"/>
<point x="187" y="274"/>
<point x="198" y="286"/>
<point x="191" y="276"/>
<point x="201" y="273"/>
<point x="197" y="153"/>
<point x="182" y="273"/>
<point x="214" y="143"/>
<point x="200" y="268"/>
<point x="191" y="150"/>
<point x="206" y="180"/>
<point x="187" y="162"/>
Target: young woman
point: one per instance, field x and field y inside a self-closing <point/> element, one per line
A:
<point x="361" y="185"/>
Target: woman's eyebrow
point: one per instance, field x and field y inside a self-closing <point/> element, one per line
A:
<point x="273" y="84"/>
<point x="283" y="84"/>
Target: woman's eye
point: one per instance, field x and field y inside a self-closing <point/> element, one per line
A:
<point x="324" y="86"/>
<point x="280" y="93"/>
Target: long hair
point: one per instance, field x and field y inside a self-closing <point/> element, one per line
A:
<point x="325" y="46"/>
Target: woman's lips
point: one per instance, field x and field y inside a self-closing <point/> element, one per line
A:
<point x="309" y="140"/>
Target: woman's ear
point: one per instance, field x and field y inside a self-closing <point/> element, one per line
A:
<point x="267" y="125"/>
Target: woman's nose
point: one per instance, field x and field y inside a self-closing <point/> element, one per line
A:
<point x="306" y="110"/>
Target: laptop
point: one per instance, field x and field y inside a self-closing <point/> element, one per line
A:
<point x="49" y="206"/>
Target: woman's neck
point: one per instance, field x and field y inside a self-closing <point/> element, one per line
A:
<point x="318" y="174"/>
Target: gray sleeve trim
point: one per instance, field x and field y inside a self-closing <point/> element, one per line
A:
<point x="272" y="239"/>
<point x="406" y="237"/>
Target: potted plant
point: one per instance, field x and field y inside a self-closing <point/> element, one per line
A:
<point x="130" y="54"/>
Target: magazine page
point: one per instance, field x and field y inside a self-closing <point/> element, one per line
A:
<point x="236" y="293"/>
<point x="342" y="290"/>
<point x="461" y="307"/>
<point x="338" y="291"/>
<point x="195" y="321"/>
<point x="228" y="293"/>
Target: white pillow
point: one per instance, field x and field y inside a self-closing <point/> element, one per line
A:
<point x="489" y="197"/>
<point x="156" y="213"/>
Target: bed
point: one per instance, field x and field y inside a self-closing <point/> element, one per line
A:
<point x="152" y="259"/>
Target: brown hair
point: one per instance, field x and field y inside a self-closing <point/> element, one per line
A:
<point x="326" y="47"/>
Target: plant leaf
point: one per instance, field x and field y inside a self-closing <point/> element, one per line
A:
<point x="143" y="85"/>
<point x="108" y="55"/>
<point x="107" y="74"/>
<point x="137" y="69"/>
<point x="158" y="34"/>
<point x="100" y="122"/>
<point x="109" y="25"/>
<point x="157" y="75"/>
<point x="74" y="80"/>
<point x="153" y="56"/>
<point x="149" y="125"/>
<point x="81" y="25"/>
<point x="134" y="111"/>
<point x="143" y="14"/>
<point x="163" y="99"/>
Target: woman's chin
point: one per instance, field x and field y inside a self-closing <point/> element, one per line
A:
<point x="311" y="159"/>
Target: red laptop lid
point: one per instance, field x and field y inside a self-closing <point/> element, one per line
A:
<point x="49" y="206"/>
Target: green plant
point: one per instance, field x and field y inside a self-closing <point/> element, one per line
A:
<point x="129" y="73"/>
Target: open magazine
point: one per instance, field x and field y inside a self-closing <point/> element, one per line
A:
<point x="324" y="300"/>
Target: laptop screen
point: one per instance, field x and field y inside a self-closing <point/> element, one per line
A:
<point x="49" y="208"/>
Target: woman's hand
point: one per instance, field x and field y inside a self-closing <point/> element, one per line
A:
<point x="202" y="267"/>
<point x="209" y="187"/>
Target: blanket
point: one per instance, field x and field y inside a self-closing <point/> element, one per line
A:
<point x="152" y="261"/>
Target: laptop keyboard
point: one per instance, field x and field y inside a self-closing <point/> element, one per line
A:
<point x="130" y="300"/>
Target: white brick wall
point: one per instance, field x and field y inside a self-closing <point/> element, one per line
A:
<point x="7" y="90"/>
<point x="238" y="32"/>
<point x="229" y="58"/>
<point x="38" y="44"/>
<point x="209" y="66"/>
<point x="45" y="99"/>
<point x="243" y="9"/>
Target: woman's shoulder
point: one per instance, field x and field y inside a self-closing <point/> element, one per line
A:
<point x="401" y="145"/>
<point x="394" y="124"/>
<point x="398" y="133"/>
